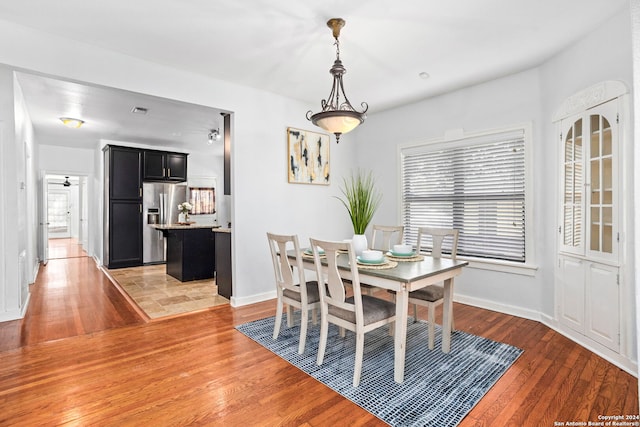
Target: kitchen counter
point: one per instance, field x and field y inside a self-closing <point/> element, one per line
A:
<point x="182" y="226"/>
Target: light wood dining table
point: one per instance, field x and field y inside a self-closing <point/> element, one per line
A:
<point x="407" y="276"/>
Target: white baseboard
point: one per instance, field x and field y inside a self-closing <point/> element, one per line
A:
<point x="16" y="314"/>
<point x="36" y="270"/>
<point x="611" y="356"/>
<point x="500" y="308"/>
<point x="252" y="299"/>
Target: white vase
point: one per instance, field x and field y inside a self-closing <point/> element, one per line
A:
<point x="359" y="242"/>
<point x="181" y="218"/>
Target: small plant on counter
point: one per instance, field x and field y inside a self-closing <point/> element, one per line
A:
<point x="185" y="208"/>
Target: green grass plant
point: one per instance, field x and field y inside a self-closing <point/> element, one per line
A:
<point x="361" y="199"/>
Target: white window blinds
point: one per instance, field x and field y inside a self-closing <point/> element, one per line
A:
<point x="475" y="185"/>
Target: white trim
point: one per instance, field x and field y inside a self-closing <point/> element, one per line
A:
<point x="511" y="310"/>
<point x="589" y="98"/>
<point x="611" y="356"/>
<point x="526" y="269"/>
<point x="617" y="359"/>
<point x="252" y="299"/>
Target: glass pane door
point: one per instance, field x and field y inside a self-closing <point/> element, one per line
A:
<point x="602" y="217"/>
<point x="58" y="214"/>
<point x="572" y="228"/>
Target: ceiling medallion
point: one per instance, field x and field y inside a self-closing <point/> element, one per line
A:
<point x="338" y="115"/>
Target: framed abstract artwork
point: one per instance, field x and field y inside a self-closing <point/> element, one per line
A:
<point x="308" y="157"/>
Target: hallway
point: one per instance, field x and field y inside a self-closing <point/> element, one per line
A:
<point x="70" y="297"/>
<point x="65" y="248"/>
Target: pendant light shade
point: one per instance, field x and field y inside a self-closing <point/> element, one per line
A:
<point x="338" y="115"/>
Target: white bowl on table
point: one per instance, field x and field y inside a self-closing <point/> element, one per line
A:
<point x="371" y="255"/>
<point x="402" y="249"/>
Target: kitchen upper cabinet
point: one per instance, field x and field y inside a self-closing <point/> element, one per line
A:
<point x="165" y="166"/>
<point x="125" y="180"/>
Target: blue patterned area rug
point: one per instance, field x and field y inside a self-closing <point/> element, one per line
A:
<point x="439" y="389"/>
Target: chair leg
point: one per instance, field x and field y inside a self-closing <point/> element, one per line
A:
<point x="415" y="313"/>
<point x="431" y="327"/>
<point x="314" y="315"/>
<point x="304" y="321"/>
<point x="322" y="345"/>
<point x="357" y="370"/>
<point x="289" y="316"/>
<point x="343" y="332"/>
<point x="453" y="326"/>
<point x="276" y="327"/>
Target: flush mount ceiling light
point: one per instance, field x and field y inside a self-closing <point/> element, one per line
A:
<point x="214" y="135"/>
<point x="338" y="115"/>
<point x="71" y="122"/>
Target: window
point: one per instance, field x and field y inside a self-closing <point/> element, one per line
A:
<point x="473" y="184"/>
<point x="203" y="200"/>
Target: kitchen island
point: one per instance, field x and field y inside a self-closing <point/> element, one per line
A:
<point x="190" y="250"/>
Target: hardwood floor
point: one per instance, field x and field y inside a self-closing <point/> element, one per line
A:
<point x="82" y="357"/>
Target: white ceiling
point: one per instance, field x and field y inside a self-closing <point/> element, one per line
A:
<point x="285" y="47"/>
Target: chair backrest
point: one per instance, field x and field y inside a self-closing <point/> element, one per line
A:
<point x="285" y="278"/>
<point x="331" y="286"/>
<point x="385" y="236"/>
<point x="437" y="237"/>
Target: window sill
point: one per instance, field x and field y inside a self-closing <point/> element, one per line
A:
<point x="502" y="266"/>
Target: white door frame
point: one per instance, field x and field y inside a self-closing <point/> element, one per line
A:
<point x="43" y="232"/>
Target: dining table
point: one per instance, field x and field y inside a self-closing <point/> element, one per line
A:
<point x="404" y="277"/>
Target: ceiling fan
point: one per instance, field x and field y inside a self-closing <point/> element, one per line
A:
<point x="66" y="182"/>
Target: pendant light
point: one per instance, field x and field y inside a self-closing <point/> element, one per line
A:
<point x="338" y="115"/>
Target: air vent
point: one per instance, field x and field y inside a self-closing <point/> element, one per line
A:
<point x="139" y="110"/>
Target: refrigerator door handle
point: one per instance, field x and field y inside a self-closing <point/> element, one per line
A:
<point x="162" y="208"/>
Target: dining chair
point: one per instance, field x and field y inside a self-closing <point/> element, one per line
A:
<point x="383" y="237"/>
<point x="292" y="289"/>
<point x="357" y="313"/>
<point x="432" y="296"/>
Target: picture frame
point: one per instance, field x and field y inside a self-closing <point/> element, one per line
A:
<point x="308" y="157"/>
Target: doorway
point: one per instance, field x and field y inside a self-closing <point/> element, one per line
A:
<point x="65" y="206"/>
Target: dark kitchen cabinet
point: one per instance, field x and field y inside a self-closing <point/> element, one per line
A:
<point x="125" y="181"/>
<point x="223" y="263"/>
<point x="125" y="234"/>
<point x="164" y="166"/>
<point x="190" y="253"/>
<point x="123" y="202"/>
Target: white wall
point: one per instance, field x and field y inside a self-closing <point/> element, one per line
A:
<point x="605" y="54"/>
<point x="504" y="102"/>
<point x="262" y="198"/>
<point x="635" y="15"/>
<point x="533" y="96"/>
<point x="10" y="305"/>
<point x="25" y="218"/>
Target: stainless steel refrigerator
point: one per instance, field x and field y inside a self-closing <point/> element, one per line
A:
<point x="160" y="206"/>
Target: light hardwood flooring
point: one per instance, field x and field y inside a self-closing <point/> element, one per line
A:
<point x="65" y="248"/>
<point x="82" y="356"/>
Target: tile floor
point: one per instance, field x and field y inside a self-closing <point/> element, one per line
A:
<point x="160" y="295"/>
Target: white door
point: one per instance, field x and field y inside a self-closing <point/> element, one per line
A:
<point x="84" y="214"/>
<point x="44" y="225"/>
<point x="58" y="213"/>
